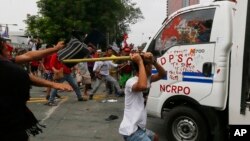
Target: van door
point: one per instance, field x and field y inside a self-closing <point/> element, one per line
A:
<point x="184" y="49"/>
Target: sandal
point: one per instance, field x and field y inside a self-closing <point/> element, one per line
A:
<point x="111" y="117"/>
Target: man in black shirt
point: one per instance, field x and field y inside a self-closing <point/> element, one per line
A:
<point x="16" y="120"/>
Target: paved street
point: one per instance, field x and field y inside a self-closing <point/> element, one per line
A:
<point x="82" y="121"/>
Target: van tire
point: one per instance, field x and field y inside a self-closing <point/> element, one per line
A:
<point x="185" y="124"/>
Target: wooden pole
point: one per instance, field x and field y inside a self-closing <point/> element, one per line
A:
<point x="96" y="59"/>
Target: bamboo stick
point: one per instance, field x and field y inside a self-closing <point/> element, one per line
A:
<point x="96" y="59"/>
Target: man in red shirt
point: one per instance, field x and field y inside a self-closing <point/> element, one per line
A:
<point x="48" y="73"/>
<point x="58" y="67"/>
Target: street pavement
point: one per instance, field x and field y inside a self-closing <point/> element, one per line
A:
<point x="72" y="120"/>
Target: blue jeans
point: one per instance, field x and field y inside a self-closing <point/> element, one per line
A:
<point x="69" y="78"/>
<point x="141" y="135"/>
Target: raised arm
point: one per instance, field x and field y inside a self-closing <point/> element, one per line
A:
<point x="35" y="55"/>
<point x="161" y="71"/>
<point x="141" y="85"/>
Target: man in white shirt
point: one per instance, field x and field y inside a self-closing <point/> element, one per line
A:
<point x="133" y="125"/>
<point x="101" y="69"/>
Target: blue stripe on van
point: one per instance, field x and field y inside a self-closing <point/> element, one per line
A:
<point x="197" y="80"/>
<point x="154" y="71"/>
<point x="195" y="74"/>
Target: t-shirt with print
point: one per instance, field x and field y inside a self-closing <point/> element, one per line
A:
<point x="135" y="114"/>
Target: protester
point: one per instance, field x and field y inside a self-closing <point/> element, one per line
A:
<point x="91" y="64"/>
<point x="62" y="73"/>
<point x="84" y="74"/>
<point x="101" y="69"/>
<point x="95" y="54"/>
<point x="112" y="51"/>
<point x="65" y="72"/>
<point x="90" y="67"/>
<point x="133" y="125"/>
<point x="16" y="120"/>
<point x="34" y="67"/>
<point x="85" y="78"/>
<point x="35" y="44"/>
<point x="48" y="74"/>
<point x="125" y="70"/>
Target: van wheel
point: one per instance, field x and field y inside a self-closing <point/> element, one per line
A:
<point x="185" y="124"/>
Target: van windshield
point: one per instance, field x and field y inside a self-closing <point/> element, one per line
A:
<point x="189" y="28"/>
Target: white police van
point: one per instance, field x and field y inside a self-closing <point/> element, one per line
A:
<point x="205" y="50"/>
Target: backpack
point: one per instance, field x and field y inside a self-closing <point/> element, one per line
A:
<point x="74" y="49"/>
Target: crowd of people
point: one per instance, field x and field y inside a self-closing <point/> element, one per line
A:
<point x="89" y="75"/>
<point x="41" y="67"/>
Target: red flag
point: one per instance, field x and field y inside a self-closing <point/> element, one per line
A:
<point x="125" y="37"/>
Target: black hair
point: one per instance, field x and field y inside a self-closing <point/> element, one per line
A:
<point x="135" y="66"/>
<point x="92" y="46"/>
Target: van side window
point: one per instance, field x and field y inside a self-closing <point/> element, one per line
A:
<point x="189" y="28"/>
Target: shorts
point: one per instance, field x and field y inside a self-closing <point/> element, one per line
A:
<point x="86" y="79"/>
<point x="141" y="135"/>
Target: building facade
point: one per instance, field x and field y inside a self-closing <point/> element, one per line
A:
<point x="174" y="5"/>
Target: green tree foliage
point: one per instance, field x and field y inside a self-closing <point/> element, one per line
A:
<point x="58" y="18"/>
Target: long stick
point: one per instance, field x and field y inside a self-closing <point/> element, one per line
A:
<point x="96" y="59"/>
